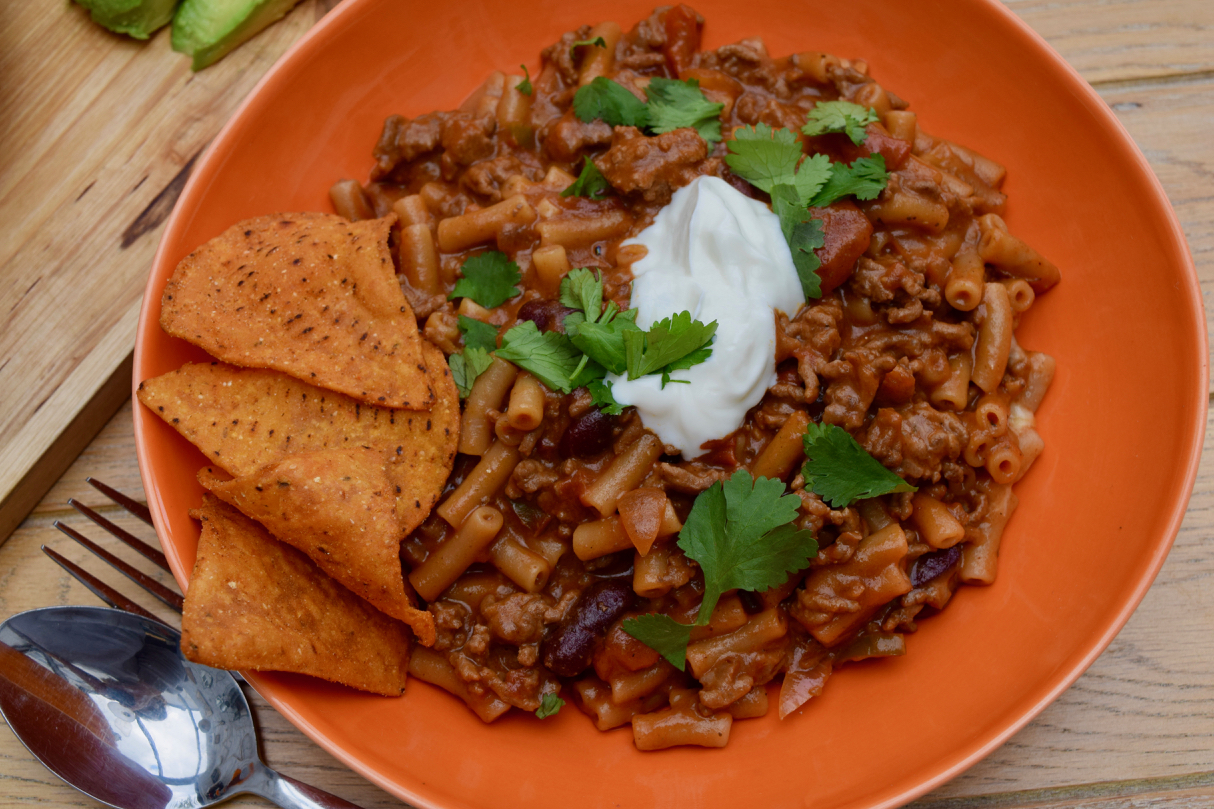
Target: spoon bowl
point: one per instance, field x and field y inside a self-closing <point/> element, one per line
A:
<point x="108" y="703"/>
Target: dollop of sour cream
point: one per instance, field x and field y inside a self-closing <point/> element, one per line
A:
<point x="720" y="255"/>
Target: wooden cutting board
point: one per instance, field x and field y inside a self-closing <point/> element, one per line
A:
<point x="98" y="133"/>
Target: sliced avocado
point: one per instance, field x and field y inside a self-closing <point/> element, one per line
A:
<point x="208" y="29"/>
<point x="136" y="18"/>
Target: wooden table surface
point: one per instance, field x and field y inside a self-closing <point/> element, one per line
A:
<point x="1136" y="730"/>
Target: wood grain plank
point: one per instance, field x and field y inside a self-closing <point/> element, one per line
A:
<point x="1170" y="122"/>
<point x="1180" y="792"/>
<point x="1124" y="40"/>
<point x="96" y="127"/>
<point x="75" y="54"/>
<point x="89" y="402"/>
<point x="110" y="458"/>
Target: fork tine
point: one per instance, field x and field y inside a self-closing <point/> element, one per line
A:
<point x="162" y="593"/>
<point x="135" y="507"/>
<point x="154" y="556"/>
<point x="98" y="588"/>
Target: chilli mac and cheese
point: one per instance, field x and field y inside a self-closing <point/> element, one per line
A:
<point x="577" y="555"/>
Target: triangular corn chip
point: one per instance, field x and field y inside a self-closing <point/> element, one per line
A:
<point x="339" y="507"/>
<point x="256" y="603"/>
<point x="310" y="294"/>
<point x="423" y="460"/>
<point x="245" y="418"/>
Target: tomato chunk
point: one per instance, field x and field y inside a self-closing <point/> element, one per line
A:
<point x="682" y="38"/>
<point x="847" y="233"/>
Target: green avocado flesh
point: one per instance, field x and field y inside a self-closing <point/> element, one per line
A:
<point x="208" y="29"/>
<point x="136" y="18"/>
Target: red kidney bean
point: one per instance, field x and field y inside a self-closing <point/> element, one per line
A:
<point x="617" y="565"/>
<point x="546" y="315"/>
<point x="588" y="434"/>
<point x="930" y="565"/>
<point x="568" y="650"/>
<point x="750" y="602"/>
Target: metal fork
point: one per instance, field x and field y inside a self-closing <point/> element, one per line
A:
<point x="99" y="588"/>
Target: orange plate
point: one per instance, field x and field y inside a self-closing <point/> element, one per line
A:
<point x="1123" y="424"/>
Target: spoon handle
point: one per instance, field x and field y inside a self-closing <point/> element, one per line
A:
<point x="291" y="794"/>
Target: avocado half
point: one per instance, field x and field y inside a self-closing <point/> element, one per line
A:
<point x="135" y="18"/>
<point x="208" y="29"/>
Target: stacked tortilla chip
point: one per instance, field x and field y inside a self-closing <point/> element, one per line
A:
<point x="256" y="603"/>
<point x="330" y="427"/>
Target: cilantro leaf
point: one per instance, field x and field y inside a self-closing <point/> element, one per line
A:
<point x="865" y="178"/>
<point x="599" y="333"/>
<point x="767" y="159"/>
<point x="663" y="634"/>
<point x="694" y="358"/>
<point x="601" y="396"/>
<point x="741" y="535"/>
<point x="813" y="173"/>
<point x="489" y="279"/>
<point x="524" y="86"/>
<point x="803" y="234"/>
<point x="549" y="705"/>
<point x="764" y="157"/>
<point x="573" y="321"/>
<point x="841" y="472"/>
<point x="531" y="516"/>
<point x="806" y="237"/>
<point x="548" y="355"/>
<point x="606" y="99"/>
<point x="590" y="183"/>
<point x="665" y="342"/>
<point x="605" y="342"/>
<point x="582" y="289"/>
<point x="477" y="334"/>
<point x="587" y="373"/>
<point x="672" y="104"/>
<point x="466" y="367"/>
<point x="675" y="104"/>
<point x="840" y="116"/>
<point x="755" y="506"/>
<point x="597" y="42"/>
<point x="597" y="339"/>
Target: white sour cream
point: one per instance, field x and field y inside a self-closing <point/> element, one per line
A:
<point x="721" y="256"/>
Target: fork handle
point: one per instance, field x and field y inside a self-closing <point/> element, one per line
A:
<point x="291" y="794"/>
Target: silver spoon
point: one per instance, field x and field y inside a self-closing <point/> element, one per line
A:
<point x="106" y="701"/>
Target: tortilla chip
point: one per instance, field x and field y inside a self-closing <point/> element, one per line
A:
<point x="310" y="294"/>
<point x="255" y="603"/>
<point x="424" y="461"/>
<point x="339" y="507"/>
<point x="243" y="419"/>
